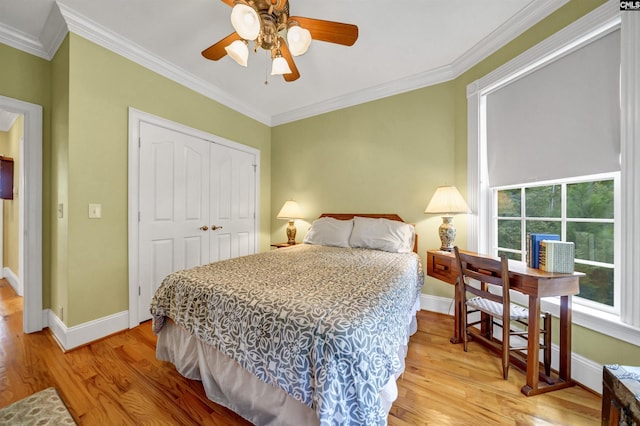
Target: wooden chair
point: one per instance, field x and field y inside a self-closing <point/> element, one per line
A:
<point x="494" y="306"/>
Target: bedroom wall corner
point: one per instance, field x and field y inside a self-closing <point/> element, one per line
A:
<point x="59" y="183"/>
<point x="384" y="156"/>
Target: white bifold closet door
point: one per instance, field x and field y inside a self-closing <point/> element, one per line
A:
<point x="197" y="205"/>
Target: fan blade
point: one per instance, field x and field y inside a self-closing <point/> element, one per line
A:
<point x="294" y="74"/>
<point x="229" y="2"/>
<point x="332" y="32"/>
<point x="216" y="51"/>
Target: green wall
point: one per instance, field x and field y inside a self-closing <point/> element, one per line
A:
<point x="59" y="181"/>
<point x="389" y="156"/>
<point x="385" y="156"/>
<point x="102" y="87"/>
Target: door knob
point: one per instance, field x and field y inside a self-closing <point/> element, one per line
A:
<point x="204" y="227"/>
<point x="214" y="227"/>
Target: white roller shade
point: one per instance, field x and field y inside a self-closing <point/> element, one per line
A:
<point x="560" y="121"/>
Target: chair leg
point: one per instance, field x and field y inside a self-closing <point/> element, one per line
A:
<point x="547" y="343"/>
<point x="506" y="344"/>
<point x="489" y="326"/>
<point x="464" y="326"/>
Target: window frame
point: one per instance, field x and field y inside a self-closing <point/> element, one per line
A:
<point x="625" y="326"/>
<point x="563" y="219"/>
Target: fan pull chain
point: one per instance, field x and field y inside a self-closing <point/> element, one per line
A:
<point x="266" y="70"/>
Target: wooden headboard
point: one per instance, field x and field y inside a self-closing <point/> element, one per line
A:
<point x="390" y="216"/>
<point x="347" y="216"/>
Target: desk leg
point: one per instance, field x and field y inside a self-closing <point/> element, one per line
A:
<point x="533" y="386"/>
<point x="565" y="338"/>
<point x="457" y="320"/>
<point x="533" y="347"/>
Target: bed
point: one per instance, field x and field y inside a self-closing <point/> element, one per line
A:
<point x="315" y="333"/>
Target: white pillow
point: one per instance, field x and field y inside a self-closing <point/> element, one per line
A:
<point x="328" y="231"/>
<point x="382" y="234"/>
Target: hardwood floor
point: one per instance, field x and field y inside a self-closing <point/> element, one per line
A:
<point x="118" y="381"/>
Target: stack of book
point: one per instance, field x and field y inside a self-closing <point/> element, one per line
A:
<point x="556" y="256"/>
<point x="533" y="247"/>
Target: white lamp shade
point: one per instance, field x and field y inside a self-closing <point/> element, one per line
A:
<point x="290" y="210"/>
<point x="239" y="52"/>
<point x="447" y="200"/>
<point x="245" y="21"/>
<point x="280" y="66"/>
<point x="299" y="40"/>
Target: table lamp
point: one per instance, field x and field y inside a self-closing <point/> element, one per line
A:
<point x="446" y="202"/>
<point x="291" y="212"/>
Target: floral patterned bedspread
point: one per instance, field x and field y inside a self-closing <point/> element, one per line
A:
<point x="322" y="323"/>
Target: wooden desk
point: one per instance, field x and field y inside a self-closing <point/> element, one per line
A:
<point x="536" y="284"/>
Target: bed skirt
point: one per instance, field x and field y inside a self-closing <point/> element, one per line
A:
<point x="227" y="383"/>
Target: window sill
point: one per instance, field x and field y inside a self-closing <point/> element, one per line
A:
<point x="598" y="321"/>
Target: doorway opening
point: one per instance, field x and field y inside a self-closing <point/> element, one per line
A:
<point x="29" y="186"/>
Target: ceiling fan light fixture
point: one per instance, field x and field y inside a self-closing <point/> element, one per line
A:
<point x="245" y="21"/>
<point x="271" y="27"/>
<point x="299" y="39"/>
<point x="238" y="51"/>
<point x="280" y="66"/>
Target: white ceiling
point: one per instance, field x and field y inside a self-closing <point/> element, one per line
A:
<point x="402" y="45"/>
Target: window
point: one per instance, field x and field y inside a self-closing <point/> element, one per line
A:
<point x="580" y="210"/>
<point x="624" y="323"/>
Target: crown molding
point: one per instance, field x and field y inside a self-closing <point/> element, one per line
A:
<point x="63" y="19"/>
<point x="46" y="46"/>
<point x="519" y="23"/>
<point x="22" y="41"/>
<point x="417" y="81"/>
<point x="86" y="28"/>
<point x="54" y="31"/>
<point x="600" y="21"/>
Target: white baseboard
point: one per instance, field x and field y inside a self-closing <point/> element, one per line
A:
<point x="442" y="305"/>
<point x="583" y="370"/>
<point x="78" y="335"/>
<point x="13" y="279"/>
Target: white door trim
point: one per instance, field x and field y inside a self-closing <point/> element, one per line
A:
<point x="30" y="271"/>
<point x="135" y="118"/>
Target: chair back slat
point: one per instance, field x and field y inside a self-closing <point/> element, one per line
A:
<point x="482" y="276"/>
<point x="484" y="270"/>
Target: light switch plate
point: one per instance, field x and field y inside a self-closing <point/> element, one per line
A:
<point x="95" y="211"/>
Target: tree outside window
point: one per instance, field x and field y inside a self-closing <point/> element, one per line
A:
<point x="581" y="212"/>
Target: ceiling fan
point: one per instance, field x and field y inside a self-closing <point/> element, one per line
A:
<point x="267" y="23"/>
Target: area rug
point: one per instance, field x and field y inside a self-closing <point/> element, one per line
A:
<point x="42" y="408"/>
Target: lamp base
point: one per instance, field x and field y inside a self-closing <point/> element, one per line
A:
<point x="291" y="233"/>
<point x="447" y="233"/>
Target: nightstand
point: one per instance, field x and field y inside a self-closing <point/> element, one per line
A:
<point x="281" y="245"/>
